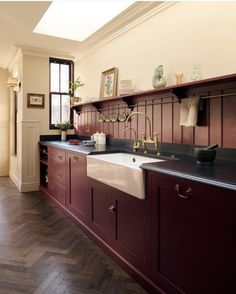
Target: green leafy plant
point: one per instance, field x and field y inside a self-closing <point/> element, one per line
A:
<point x="63" y="126"/>
<point x="75" y="85"/>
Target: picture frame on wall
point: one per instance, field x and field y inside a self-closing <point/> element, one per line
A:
<point x="35" y="100"/>
<point x="108" y="88"/>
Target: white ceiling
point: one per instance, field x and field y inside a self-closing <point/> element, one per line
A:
<point x="19" y="18"/>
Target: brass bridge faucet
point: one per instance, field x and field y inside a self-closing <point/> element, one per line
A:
<point x="135" y="143"/>
<point x="145" y="139"/>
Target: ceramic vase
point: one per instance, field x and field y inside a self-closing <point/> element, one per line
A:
<point x="63" y="135"/>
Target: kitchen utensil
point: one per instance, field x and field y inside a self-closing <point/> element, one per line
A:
<point x="205" y="156"/>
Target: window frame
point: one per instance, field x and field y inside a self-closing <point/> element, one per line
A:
<point x="71" y="79"/>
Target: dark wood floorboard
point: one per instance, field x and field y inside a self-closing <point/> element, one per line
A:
<point x="42" y="251"/>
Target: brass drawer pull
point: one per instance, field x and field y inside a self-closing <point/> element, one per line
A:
<point x="60" y="157"/>
<point x="188" y="192"/>
<point x="76" y="158"/>
<point x="112" y="209"/>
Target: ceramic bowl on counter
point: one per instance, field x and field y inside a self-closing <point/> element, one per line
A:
<point x="89" y="142"/>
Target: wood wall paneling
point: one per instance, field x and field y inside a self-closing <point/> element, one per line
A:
<point x="217" y="123"/>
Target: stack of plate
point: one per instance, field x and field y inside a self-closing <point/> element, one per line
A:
<point x="126" y="87"/>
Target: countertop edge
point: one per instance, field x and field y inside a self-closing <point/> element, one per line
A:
<point x="204" y="180"/>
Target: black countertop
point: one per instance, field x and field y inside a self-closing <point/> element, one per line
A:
<point x="222" y="173"/>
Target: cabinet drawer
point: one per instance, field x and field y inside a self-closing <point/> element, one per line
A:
<point x="57" y="192"/>
<point x="57" y="156"/>
<point x="57" y="174"/>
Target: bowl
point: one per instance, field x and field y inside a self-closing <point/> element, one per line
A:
<point x="89" y="143"/>
<point x="205" y="156"/>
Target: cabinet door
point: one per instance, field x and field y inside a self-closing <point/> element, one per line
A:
<point x="191" y="237"/>
<point x="77" y="187"/>
<point x="101" y="210"/>
<point x="130" y="231"/>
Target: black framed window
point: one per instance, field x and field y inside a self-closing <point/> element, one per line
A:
<point x="61" y="74"/>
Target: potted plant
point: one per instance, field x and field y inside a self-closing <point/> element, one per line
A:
<point x="73" y="86"/>
<point x="64" y="127"/>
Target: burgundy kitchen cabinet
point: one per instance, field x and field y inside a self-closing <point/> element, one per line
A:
<point x="77" y="188"/>
<point x="193" y="236"/>
<point x="120" y="220"/>
<point x="56" y="174"/>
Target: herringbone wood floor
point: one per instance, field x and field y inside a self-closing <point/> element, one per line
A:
<point x="42" y="251"/>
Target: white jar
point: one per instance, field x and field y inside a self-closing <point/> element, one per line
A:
<point x="96" y="137"/>
<point x="102" y="139"/>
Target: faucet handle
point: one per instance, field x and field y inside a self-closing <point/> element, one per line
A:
<point x="156" y="143"/>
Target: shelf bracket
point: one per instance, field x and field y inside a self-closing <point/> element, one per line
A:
<point x="97" y="105"/>
<point x="129" y="100"/>
<point x="179" y="93"/>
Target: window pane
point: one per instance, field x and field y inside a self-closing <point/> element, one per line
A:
<point x="65" y="108"/>
<point x="55" y="109"/>
<point x="54" y="77"/>
<point x="64" y="78"/>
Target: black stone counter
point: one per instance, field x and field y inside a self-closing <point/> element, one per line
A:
<point x="86" y="150"/>
<point x="221" y="174"/>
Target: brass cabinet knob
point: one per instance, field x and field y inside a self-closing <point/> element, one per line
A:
<point x="112" y="209"/>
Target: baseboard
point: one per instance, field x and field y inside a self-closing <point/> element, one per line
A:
<point x="29" y="187"/>
<point x="15" y="179"/>
<point x="4" y="172"/>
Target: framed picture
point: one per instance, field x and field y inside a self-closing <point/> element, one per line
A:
<point x="35" y="100"/>
<point x="108" y="87"/>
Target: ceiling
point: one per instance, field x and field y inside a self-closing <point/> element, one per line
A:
<point x="19" y="18"/>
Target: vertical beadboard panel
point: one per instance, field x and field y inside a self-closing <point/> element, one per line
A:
<point x="167" y="120"/>
<point x="157" y="120"/>
<point x="215" y="124"/>
<point x="141" y="120"/>
<point x="188" y="135"/>
<point x="229" y="121"/>
<point x="218" y="124"/>
<point x="177" y="131"/>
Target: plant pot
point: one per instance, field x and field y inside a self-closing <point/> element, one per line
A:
<point x="63" y="135"/>
<point x="75" y="100"/>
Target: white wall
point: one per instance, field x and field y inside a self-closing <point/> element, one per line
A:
<point x="184" y="34"/>
<point x="4" y="123"/>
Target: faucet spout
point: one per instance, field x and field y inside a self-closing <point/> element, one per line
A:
<point x="147" y="118"/>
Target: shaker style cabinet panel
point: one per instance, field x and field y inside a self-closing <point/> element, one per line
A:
<point x="56" y="174"/>
<point x="192" y="236"/>
<point x="120" y="220"/>
<point x="101" y="210"/>
<point x="77" y="188"/>
<point x="130" y="228"/>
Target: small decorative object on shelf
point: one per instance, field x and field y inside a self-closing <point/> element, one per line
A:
<point x="179" y="78"/>
<point x="158" y="80"/>
<point x="196" y="75"/>
<point x="73" y="86"/>
<point x="64" y="127"/>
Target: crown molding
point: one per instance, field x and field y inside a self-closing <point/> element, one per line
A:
<point x="136" y="14"/>
<point x="41" y="52"/>
<point x="14" y="56"/>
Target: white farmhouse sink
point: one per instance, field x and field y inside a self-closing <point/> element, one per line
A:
<point x="120" y="170"/>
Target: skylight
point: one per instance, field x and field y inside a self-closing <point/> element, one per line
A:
<point x="78" y="19"/>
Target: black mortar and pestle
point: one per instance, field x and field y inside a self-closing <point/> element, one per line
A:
<point x="206" y="155"/>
